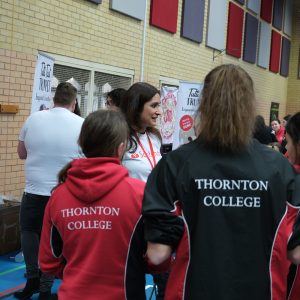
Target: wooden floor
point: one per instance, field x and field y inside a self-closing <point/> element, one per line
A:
<point x="12" y="279"/>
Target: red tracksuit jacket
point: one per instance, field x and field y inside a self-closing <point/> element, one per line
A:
<point x="92" y="235"/>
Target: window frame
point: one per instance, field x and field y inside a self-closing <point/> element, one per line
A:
<point x="92" y="67"/>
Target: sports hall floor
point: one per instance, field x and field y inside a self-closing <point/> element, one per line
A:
<point x="12" y="279"/>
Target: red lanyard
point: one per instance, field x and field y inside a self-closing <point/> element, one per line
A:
<point x="152" y="164"/>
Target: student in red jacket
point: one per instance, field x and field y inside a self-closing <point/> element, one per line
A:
<point x="293" y="148"/>
<point x="278" y="129"/>
<point x="92" y="236"/>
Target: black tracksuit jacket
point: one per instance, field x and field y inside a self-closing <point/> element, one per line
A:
<point x="229" y="217"/>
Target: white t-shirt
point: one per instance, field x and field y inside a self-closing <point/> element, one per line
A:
<point x="50" y="138"/>
<point x="137" y="162"/>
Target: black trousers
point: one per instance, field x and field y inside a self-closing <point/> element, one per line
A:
<point x="31" y="220"/>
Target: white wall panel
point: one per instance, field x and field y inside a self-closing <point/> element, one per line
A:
<point x="217" y="13"/>
<point x="132" y="8"/>
<point x="264" y="45"/>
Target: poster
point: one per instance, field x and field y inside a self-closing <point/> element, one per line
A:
<point x="41" y="93"/>
<point x="274" y="111"/>
<point x="187" y="106"/>
<point x="168" y="99"/>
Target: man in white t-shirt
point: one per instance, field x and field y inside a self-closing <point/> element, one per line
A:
<point x="47" y="142"/>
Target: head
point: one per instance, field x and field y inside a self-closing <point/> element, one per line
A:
<point x="293" y="138"/>
<point x="259" y="123"/>
<point x="141" y="106"/>
<point x="104" y="133"/>
<point x="275" y="124"/>
<point x="227" y="108"/>
<point x="114" y="98"/>
<point x="65" y="96"/>
<point x="285" y="120"/>
<point x="77" y="109"/>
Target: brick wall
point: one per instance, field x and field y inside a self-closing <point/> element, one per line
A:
<point x="85" y="31"/>
<point x="16" y="76"/>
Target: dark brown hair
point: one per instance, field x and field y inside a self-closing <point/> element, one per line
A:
<point x="292" y="128"/>
<point x="227" y="108"/>
<point x="101" y="134"/>
<point x="65" y="94"/>
<point x="116" y="96"/>
<point x="132" y="106"/>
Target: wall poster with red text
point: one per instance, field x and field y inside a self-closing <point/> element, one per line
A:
<point x="186" y="111"/>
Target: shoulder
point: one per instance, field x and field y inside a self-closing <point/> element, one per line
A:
<point x="272" y="159"/>
<point x="68" y="114"/>
<point x="185" y="151"/>
<point x="37" y="116"/>
<point x="135" y="185"/>
<point x="154" y="138"/>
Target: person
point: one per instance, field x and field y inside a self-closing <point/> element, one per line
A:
<point x="77" y="109"/>
<point x="141" y="106"/>
<point x="278" y="129"/>
<point x="47" y="141"/>
<point x="263" y="133"/>
<point x="293" y="148"/>
<point x="283" y="143"/>
<point x="92" y="236"/>
<point x="285" y="120"/>
<point x="114" y="98"/>
<point x="275" y="146"/>
<point x="220" y="202"/>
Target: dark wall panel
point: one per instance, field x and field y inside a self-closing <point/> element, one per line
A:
<point x="235" y="30"/>
<point x="250" y="39"/>
<point x="192" y="20"/>
<point x="163" y="14"/>
<point x="285" y="56"/>
<point x="275" y="51"/>
<point x="240" y="1"/>
<point x="266" y="10"/>
<point x="96" y="1"/>
<point x="278" y="14"/>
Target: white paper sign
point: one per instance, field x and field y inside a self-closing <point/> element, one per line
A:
<point x="168" y="99"/>
<point x="187" y="106"/>
<point x="41" y="94"/>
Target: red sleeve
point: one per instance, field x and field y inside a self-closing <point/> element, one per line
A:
<point x="50" y="252"/>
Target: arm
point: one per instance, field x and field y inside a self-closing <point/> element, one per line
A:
<point x="294" y="220"/>
<point x="294" y="255"/>
<point x="158" y="253"/>
<point x="22" y="152"/>
<point x="161" y="224"/>
<point x="50" y="253"/>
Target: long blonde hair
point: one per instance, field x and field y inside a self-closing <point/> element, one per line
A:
<point x="227" y="109"/>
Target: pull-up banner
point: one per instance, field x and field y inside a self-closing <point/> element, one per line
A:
<point x="186" y="109"/>
<point x="168" y="99"/>
<point x="274" y="111"/>
<point x="41" y="93"/>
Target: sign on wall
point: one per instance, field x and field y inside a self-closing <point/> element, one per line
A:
<point x="274" y="111"/>
<point x="41" y="94"/>
<point x="168" y="99"/>
<point x="186" y="109"/>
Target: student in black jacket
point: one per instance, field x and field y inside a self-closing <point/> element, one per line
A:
<point x="221" y="202"/>
<point x="262" y="132"/>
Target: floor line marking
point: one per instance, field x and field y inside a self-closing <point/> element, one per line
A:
<point x="12" y="270"/>
<point x="11" y="290"/>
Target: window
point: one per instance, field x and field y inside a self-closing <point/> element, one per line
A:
<point x="92" y="80"/>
